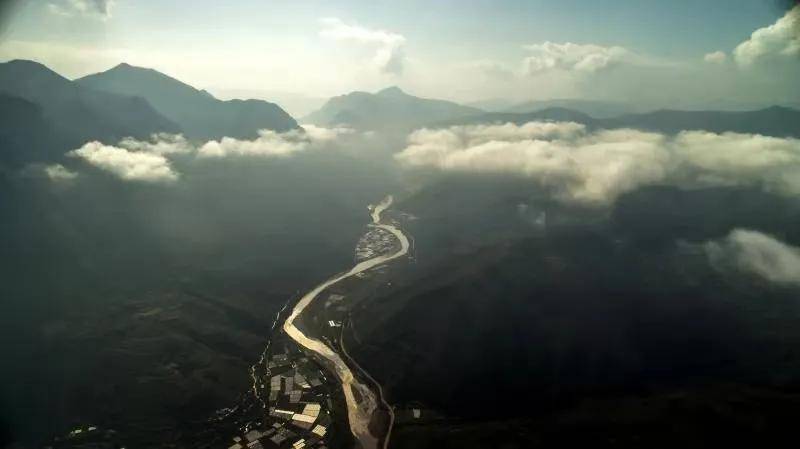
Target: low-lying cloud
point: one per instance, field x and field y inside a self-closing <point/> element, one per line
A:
<point x="596" y="167"/>
<point x="568" y="56"/>
<point x="270" y="143"/>
<point x="779" y="40"/>
<point x="150" y="160"/>
<point x="758" y="254"/>
<point x="389" y="47"/>
<point x="126" y="164"/>
<point x="58" y="173"/>
<point x="161" y="143"/>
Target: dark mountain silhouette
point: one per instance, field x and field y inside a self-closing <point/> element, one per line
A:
<point x="775" y="121"/>
<point x="388" y="109"/>
<point x="24" y="134"/>
<point x="199" y="114"/>
<point x="45" y="114"/>
<point x="594" y="108"/>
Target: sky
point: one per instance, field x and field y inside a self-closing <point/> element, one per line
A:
<point x="719" y="52"/>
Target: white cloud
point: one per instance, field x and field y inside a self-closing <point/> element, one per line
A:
<point x="100" y="9"/>
<point x="756" y="253"/>
<point x="781" y="39"/>
<point x="717" y="57"/>
<point x="578" y="166"/>
<point x="772" y="163"/>
<point x="161" y="143"/>
<point x="57" y="173"/>
<point x="272" y="144"/>
<point x="596" y="167"/>
<point x="148" y="161"/>
<point x="389" y="47"/>
<point x="127" y="164"/>
<point x="588" y="58"/>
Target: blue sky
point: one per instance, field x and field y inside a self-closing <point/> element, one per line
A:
<point x="464" y="50"/>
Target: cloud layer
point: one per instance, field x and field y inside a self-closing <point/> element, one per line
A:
<point x="596" y="167"/>
<point x="149" y="161"/>
<point x="568" y="56"/>
<point x="389" y="47"/>
<point x="756" y="253"/>
<point x="781" y="39"/>
<point x="126" y="164"/>
<point x="270" y="143"/>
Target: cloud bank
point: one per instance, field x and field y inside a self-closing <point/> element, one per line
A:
<point x="270" y="143"/>
<point x="126" y="164"/>
<point x="597" y="167"/>
<point x="779" y="40"/>
<point x="161" y="143"/>
<point x="389" y="47"/>
<point x="756" y="253"/>
<point x="588" y="58"/>
<point x="150" y="161"/>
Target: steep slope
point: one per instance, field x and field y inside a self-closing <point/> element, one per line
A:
<point x="24" y="134"/>
<point x="200" y="115"/>
<point x="388" y="109"/>
<point x="498" y="310"/>
<point x="76" y="114"/>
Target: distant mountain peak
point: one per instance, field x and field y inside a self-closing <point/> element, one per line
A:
<point x="198" y="113"/>
<point x="125" y="67"/>
<point x="31" y="67"/>
<point x="392" y="91"/>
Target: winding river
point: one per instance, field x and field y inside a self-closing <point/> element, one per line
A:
<point x="359" y="412"/>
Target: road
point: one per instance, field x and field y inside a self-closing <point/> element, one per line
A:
<point x="359" y="413"/>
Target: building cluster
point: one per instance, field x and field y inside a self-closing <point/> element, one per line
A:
<point x="374" y="243"/>
<point x="298" y="406"/>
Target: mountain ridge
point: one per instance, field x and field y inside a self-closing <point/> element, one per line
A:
<point x="776" y="121"/>
<point x="69" y="114"/>
<point x="199" y="114"/>
<point x="388" y="109"/>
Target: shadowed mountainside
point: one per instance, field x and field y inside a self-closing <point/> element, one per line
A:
<point x="199" y="114"/>
<point x="52" y="115"/>
<point x="775" y="121"/>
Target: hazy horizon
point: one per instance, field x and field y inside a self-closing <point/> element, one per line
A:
<point x="651" y="55"/>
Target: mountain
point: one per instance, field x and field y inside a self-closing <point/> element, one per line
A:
<point x="775" y="121"/>
<point x="199" y="114"/>
<point x="296" y="104"/>
<point x="388" y="109"/>
<point x="577" y="315"/>
<point x="492" y="104"/>
<point x="550" y="114"/>
<point x="594" y="108"/>
<point x="78" y="110"/>
<point x="24" y="133"/>
<point x="71" y="113"/>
